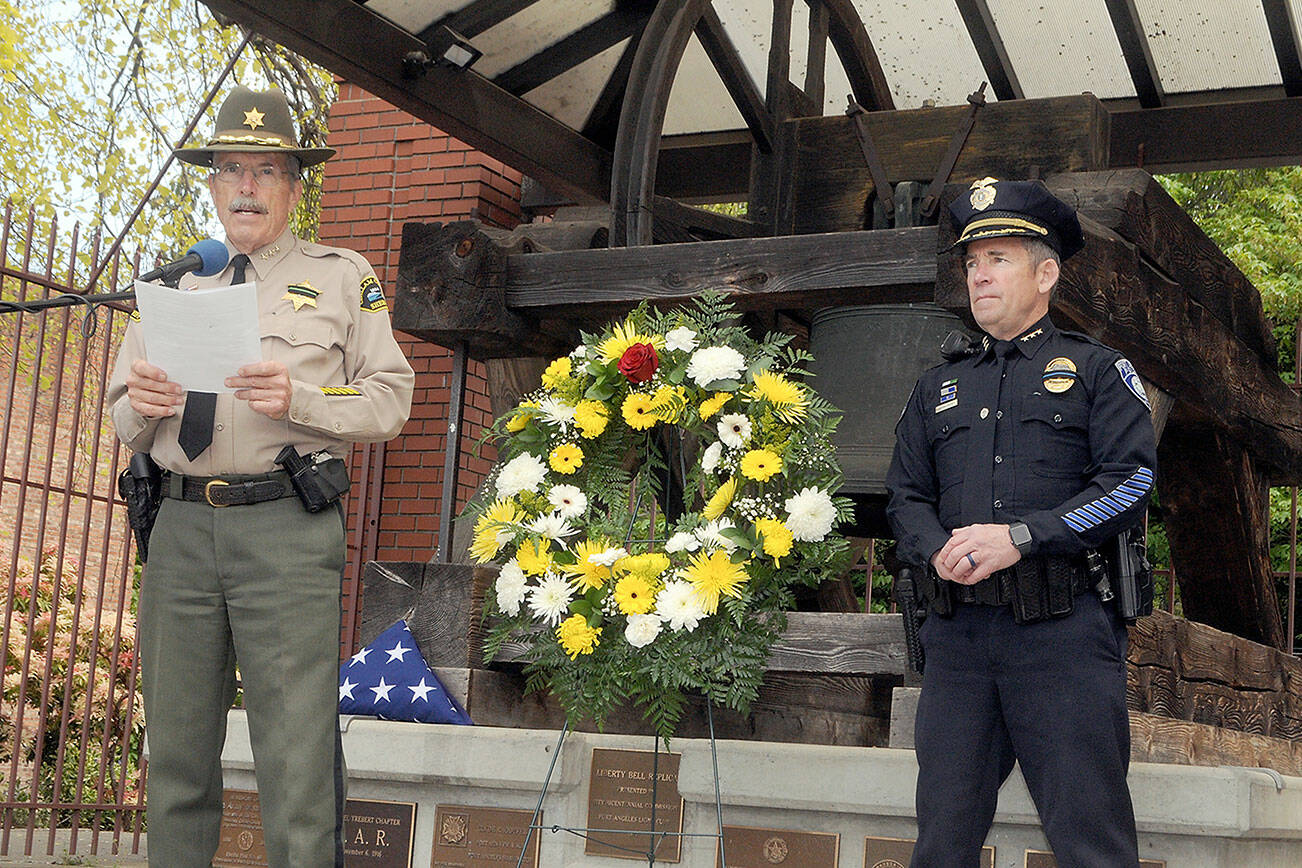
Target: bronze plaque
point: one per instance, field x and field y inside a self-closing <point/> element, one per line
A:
<point x="750" y="847"/>
<point x="619" y="802"/>
<point x="240" y="844"/>
<point x="1044" y="859"/>
<point x="466" y="837"/>
<point x="896" y="853"/>
<point x="378" y="834"/>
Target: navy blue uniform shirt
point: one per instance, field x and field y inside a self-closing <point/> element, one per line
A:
<point x="1051" y="428"/>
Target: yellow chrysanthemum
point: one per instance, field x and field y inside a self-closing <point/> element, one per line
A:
<point x="713" y="575"/>
<point x="639" y="412"/>
<point x="535" y="557"/>
<point x="623" y="336"/>
<point x="760" y="465"/>
<point x="788" y="399"/>
<point x="591" y="417"/>
<point x="488" y="526"/>
<point x="669" y="403"/>
<point x="777" y="538"/>
<point x="648" y="566"/>
<point x="523" y="413"/>
<point x="719" y="502"/>
<point x="576" y="637"/>
<point x="714" y="404"/>
<point x="634" y="595"/>
<point x="566" y="458"/>
<point x="558" y="371"/>
<point x="585" y="574"/>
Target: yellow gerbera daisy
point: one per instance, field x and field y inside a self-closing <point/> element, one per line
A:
<point x="714" y="404"/>
<point x="591" y="417"/>
<point x="713" y="575"/>
<point x="639" y="412"/>
<point x="777" y="538"/>
<point x="535" y="557"/>
<point x="719" y="502"/>
<point x="583" y="572"/>
<point x="566" y="458"/>
<point x="634" y="595"/>
<point x="760" y="465"/>
<point x="623" y="336"/>
<point x="492" y="531"/>
<point x="788" y="399"/>
<point x="576" y="637"/>
<point x="556" y="372"/>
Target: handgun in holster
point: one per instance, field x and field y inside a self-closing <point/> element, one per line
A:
<point x="908" y="598"/>
<point x="141" y="487"/>
<point x="1132" y="575"/>
<point x="318" y="479"/>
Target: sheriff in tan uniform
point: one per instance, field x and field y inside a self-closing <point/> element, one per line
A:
<point x="257" y="583"/>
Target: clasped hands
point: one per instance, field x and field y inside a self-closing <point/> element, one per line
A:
<point x="974" y="553"/>
<point x="265" y="385"/>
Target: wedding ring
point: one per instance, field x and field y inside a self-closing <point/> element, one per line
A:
<point x="970" y="561"/>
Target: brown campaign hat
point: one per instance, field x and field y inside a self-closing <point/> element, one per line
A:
<point x="254" y="121"/>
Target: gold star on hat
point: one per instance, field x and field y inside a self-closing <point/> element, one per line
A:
<point x="253" y="118"/>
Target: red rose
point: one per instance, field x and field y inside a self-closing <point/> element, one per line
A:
<point x="639" y="362"/>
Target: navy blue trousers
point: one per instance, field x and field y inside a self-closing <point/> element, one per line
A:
<point x="1050" y="695"/>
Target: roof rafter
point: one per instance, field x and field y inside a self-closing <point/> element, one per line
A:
<point x="1284" y="38"/>
<point x="477" y="17"/>
<point x="990" y="49"/>
<point x="1137" y="52"/>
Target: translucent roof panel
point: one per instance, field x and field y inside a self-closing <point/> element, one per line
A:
<point x="570" y="96"/>
<point x="415" y="15"/>
<point x="1055" y="52"/>
<point x="1208" y="45"/>
<point x="533" y="29"/>
<point x="698" y="101"/>
<point x="924" y="50"/>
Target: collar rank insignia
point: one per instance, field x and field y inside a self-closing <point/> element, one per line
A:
<point x="948" y="395"/>
<point x="1060" y="375"/>
<point x="373" y="295"/>
<point x="1130" y="377"/>
<point x="301" y="294"/>
<point x="1034" y="334"/>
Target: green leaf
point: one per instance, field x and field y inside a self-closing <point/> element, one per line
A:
<point x="581" y="606"/>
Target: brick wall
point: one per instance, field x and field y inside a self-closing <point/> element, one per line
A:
<point x="392" y="168"/>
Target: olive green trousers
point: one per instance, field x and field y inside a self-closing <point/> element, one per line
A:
<point x="256" y="585"/>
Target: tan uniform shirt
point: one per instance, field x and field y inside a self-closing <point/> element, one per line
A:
<point x="322" y="312"/>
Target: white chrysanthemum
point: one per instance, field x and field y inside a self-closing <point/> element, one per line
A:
<point x="521" y="473"/>
<point x="682" y="542"/>
<point x="679" y="606"/>
<point x="734" y="430"/>
<point x="556" y="412"/>
<point x="551" y="525"/>
<point x="711" y="534"/>
<point x="551" y="599"/>
<point x="568" y="500"/>
<point x="715" y="363"/>
<point x="642" y="630"/>
<point x="608" y="557"/>
<point x="511" y="588"/>
<point x="681" y="338"/>
<point x="810" y="514"/>
<point x="579" y="353"/>
<point x="710" y="457"/>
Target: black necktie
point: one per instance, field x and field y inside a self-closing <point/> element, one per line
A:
<point x="201" y="407"/>
<point x="978" y="484"/>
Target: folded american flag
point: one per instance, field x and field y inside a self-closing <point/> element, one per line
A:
<point x="390" y="679"/>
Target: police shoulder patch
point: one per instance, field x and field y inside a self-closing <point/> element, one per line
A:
<point x="1130" y="377"/>
<point x="373" y="295"/>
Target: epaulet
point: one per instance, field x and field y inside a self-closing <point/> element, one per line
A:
<point x="321" y="251"/>
<point x="1084" y="338"/>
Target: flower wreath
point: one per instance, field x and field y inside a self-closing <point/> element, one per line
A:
<point x="614" y="599"/>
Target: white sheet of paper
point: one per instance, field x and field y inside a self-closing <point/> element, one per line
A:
<point x="202" y="336"/>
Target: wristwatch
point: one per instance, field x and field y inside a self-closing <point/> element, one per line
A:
<point x="1021" y="536"/>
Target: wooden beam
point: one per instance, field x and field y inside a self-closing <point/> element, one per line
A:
<point x="478" y="16"/>
<point x="1136" y="50"/>
<point x="816" y="53"/>
<point x="727" y="62"/>
<point x="1212" y="136"/>
<point x="587" y="42"/>
<point x="706" y="166"/>
<point x="990" y="49"/>
<point x="1284" y="39"/>
<point x="363" y="47"/>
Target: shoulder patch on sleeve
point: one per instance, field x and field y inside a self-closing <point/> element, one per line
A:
<point x="1130" y="377"/>
<point x="340" y="391"/>
<point x="373" y="295"/>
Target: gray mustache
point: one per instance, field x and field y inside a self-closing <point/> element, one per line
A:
<point x="247" y="203"/>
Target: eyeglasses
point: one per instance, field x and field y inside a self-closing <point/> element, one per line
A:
<point x="265" y="175"/>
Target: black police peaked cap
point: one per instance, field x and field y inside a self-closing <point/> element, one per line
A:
<point x="995" y="209"/>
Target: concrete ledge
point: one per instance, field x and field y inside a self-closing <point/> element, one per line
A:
<point x="1190" y="817"/>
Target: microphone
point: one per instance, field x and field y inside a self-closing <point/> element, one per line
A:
<point x="205" y="258"/>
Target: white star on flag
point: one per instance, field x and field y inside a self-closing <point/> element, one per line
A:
<point x="420" y="691"/>
<point x="346" y="689"/>
<point x="397" y="651"/>
<point x="382" y="690"/>
<point x="360" y="657"/>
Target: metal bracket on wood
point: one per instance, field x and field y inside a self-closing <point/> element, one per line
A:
<point x="931" y="201"/>
<point x="881" y="182"/>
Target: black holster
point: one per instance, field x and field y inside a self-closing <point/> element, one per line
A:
<point x="1046" y="587"/>
<point x="908" y="599"/>
<point x="1132" y="576"/>
<point x="318" y="479"/>
<point x="141" y="487"/>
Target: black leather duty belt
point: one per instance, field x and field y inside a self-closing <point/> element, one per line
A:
<point x="219" y="491"/>
<point x="998" y="589"/>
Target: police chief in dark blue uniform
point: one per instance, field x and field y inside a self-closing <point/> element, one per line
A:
<point x="1013" y="460"/>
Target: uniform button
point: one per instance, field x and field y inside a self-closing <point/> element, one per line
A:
<point x="944" y="429"/>
<point x="999" y="504"/>
<point x="999" y="459"/>
<point x="219" y="427"/>
<point x="1057" y="417"/>
<point x="339" y="426"/>
<point x="999" y="414"/>
<point x="306" y="419"/>
<point x="985" y="411"/>
<point x="293" y="337"/>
